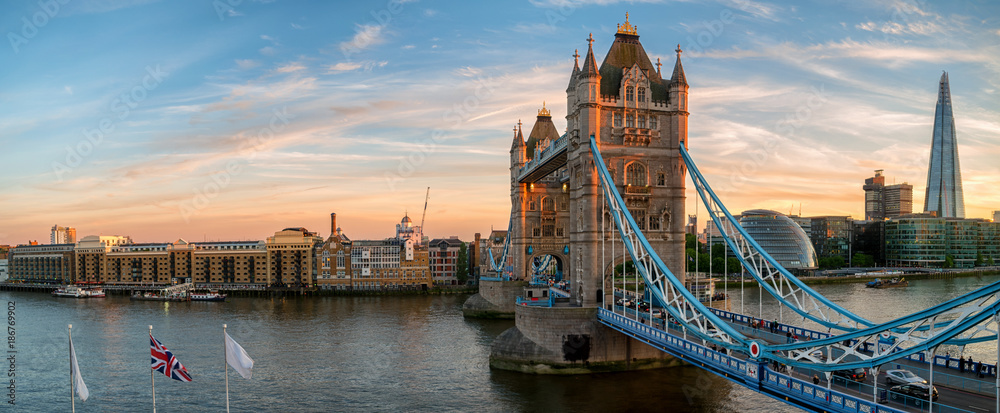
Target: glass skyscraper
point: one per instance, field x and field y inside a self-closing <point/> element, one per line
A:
<point x="944" y="176"/>
<point x="781" y="237"/>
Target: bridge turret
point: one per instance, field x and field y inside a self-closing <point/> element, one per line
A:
<point x="678" y="88"/>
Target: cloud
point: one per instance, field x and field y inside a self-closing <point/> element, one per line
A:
<point x="68" y="89"/>
<point x="430" y="13"/>
<point x="290" y="68"/>
<point x="267" y="51"/>
<point x="246" y="64"/>
<point x="891" y="27"/>
<point x="408" y="47"/>
<point x="270" y="39"/>
<point x="365" y="36"/>
<point x="345" y="67"/>
<point x="297" y="27"/>
<point x="350" y="66"/>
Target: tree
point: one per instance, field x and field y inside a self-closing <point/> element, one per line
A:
<point x="862" y="260"/>
<point x="462" y="270"/>
<point x="979" y="259"/>
<point x="949" y="261"/>
<point x="992" y="263"/>
<point x="831" y="262"/>
<point x="691" y="241"/>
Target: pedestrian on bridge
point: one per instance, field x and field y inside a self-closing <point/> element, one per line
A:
<point x="815" y="379"/>
<point x="774" y="326"/>
<point x="961" y="364"/>
<point x="979" y="368"/>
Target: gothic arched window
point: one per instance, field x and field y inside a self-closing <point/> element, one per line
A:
<point x="629" y="93"/>
<point x="642" y="94"/>
<point x="635" y="174"/>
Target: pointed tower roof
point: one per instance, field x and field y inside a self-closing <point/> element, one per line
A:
<point x="678" y="76"/>
<point x="518" y="138"/>
<point x="589" y="62"/>
<point x="576" y="70"/>
<point x="625" y="52"/>
<point x="543" y="129"/>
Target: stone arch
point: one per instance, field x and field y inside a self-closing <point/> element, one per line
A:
<point x="635" y="174"/>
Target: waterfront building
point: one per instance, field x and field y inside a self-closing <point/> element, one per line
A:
<point x="130" y="263"/>
<point x="831" y="236"/>
<point x="291" y="258"/>
<point x="91" y="256"/>
<point x="51" y="264"/>
<point x="924" y="240"/>
<point x="781" y="238"/>
<point x="3" y="268"/>
<point x="62" y="235"/>
<point x="406" y="231"/>
<point x="996" y="216"/>
<point x="223" y="262"/>
<point x="443" y="255"/>
<point x="944" y="175"/>
<point x="392" y="263"/>
<point x="334" y="260"/>
<point x="886" y="201"/>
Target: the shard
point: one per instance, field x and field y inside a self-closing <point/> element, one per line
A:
<point x="944" y="176"/>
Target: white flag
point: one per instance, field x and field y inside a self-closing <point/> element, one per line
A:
<point x="237" y="357"/>
<point x="81" y="387"/>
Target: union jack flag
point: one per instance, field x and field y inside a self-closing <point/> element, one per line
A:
<point x="164" y="361"/>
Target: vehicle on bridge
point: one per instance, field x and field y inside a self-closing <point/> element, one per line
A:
<point x="918" y="390"/>
<point x="902" y="377"/>
<point x="857" y="374"/>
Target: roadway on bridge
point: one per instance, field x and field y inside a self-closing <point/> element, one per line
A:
<point x="956" y="398"/>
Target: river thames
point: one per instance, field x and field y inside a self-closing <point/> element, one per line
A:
<point x="413" y="353"/>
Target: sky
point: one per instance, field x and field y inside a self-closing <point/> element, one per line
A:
<point x="233" y="119"/>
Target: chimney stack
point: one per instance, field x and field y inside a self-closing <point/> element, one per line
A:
<point x="333" y="224"/>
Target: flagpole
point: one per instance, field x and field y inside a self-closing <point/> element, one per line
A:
<point x="71" y="384"/>
<point x="152" y="382"/>
<point x="225" y="365"/>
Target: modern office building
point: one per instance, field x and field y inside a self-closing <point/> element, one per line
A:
<point x="886" y="201"/>
<point x="831" y="236"/>
<point x="923" y="240"/>
<point x="781" y="238"/>
<point x="996" y="216"/>
<point x="944" y="175"/>
<point x="62" y="235"/>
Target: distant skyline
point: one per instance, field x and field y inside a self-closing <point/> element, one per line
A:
<point x="205" y="120"/>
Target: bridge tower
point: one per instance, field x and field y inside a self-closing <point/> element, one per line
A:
<point x="639" y="119"/>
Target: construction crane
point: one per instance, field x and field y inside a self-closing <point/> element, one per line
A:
<point x="427" y="198"/>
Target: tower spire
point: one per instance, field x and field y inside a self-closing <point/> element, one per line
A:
<point x="678" y="75"/>
<point x="589" y="62"/>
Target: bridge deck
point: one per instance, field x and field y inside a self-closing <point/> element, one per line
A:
<point x="793" y="387"/>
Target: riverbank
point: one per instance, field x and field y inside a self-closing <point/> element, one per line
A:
<point x="254" y="292"/>
<point x="863" y="279"/>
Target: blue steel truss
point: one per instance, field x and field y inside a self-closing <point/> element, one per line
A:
<point x="963" y="318"/>
<point x="498" y="267"/>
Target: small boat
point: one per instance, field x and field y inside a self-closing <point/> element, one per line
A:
<point x="895" y="282"/>
<point x="149" y="296"/>
<point x="78" y="292"/>
<point x="208" y="296"/>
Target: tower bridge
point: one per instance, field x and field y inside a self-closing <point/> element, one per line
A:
<point x="611" y="190"/>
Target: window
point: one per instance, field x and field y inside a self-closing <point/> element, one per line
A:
<point x="548" y="230"/>
<point x="635" y="174"/>
<point x="548" y="204"/>
<point x="560" y="232"/>
<point x="340" y="259"/>
<point x="629" y="93"/>
<point x="642" y="122"/>
<point x="536" y="232"/>
<point x="654" y="223"/>
<point x="531" y="204"/>
<point x="642" y="94"/>
<point x="661" y="179"/>
<point x="630" y="121"/>
<point x="652" y="122"/>
<point x="618" y="120"/>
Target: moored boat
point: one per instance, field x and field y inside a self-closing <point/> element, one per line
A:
<point x="78" y="292"/>
<point x="207" y="296"/>
<point x="895" y="282"/>
<point x="150" y="296"/>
